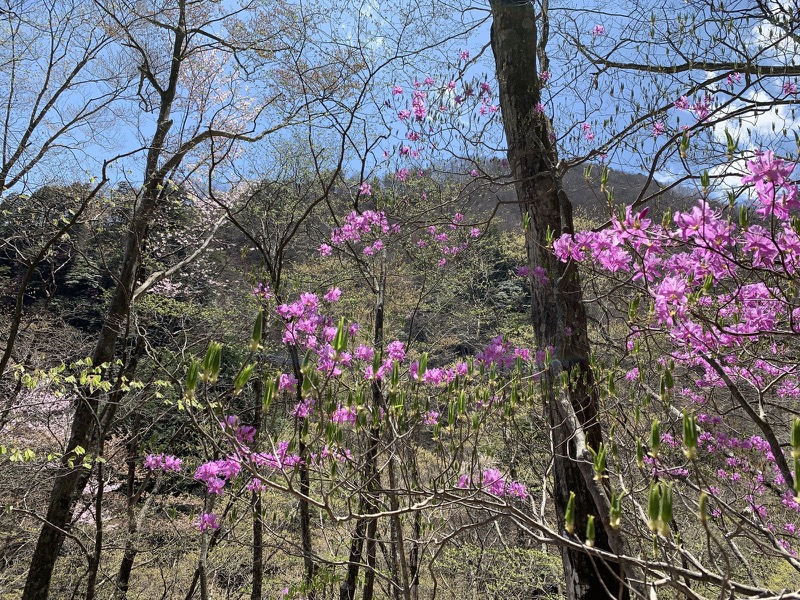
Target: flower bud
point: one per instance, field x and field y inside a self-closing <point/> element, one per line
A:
<point x="590" y="531"/>
<point x="703" y="512"/>
<point x="340" y="339"/>
<point x="569" y="515"/>
<point x="423" y="365"/>
<point x="797" y="478"/>
<point x="655" y="438"/>
<point x="732" y="144"/>
<point x="653" y="507"/>
<point x="615" y="515"/>
<point x="684" y="146"/>
<point x="633" y="306"/>
<point x="191" y="377"/>
<point x="599" y="461"/>
<point x="665" y="516"/>
<point x="639" y="453"/>
<point x="211" y="363"/>
<point x="690" y="436"/>
<point x="796" y="438"/>
<point x="242" y="378"/>
<point x="269" y="392"/>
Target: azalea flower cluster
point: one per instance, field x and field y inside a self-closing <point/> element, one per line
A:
<point x="502" y="354"/>
<point x="437" y="376"/>
<point x="243" y="434"/>
<point x="704" y="251"/>
<point x="366" y="227"/>
<point x="308" y="329"/>
<point x="718" y="289"/>
<point x="216" y="474"/>
<point x="162" y="462"/>
<point x="446" y="239"/>
<point x="438" y="397"/>
<point x="701" y="107"/>
<point x="493" y="482"/>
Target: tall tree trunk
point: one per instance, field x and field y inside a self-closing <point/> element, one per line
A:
<point x="94" y="561"/>
<point x="129" y="554"/>
<point x="135" y="520"/>
<point x="366" y="529"/>
<point x="372" y="557"/>
<point x="71" y="480"/>
<point x="400" y="575"/>
<point x="306" y="540"/>
<point x="519" y="38"/>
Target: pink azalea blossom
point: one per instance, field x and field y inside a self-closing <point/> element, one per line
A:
<point x="333" y="295"/>
<point x="208" y="521"/>
<point x="396" y="350"/>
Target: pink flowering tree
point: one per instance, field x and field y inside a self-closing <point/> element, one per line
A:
<point x="689" y="122"/>
<point x="711" y="288"/>
<point x="358" y="447"/>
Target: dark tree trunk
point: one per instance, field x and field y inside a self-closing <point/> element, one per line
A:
<point x="365" y="530"/>
<point x="306" y="541"/>
<point x="71" y="480"/>
<point x="94" y="561"/>
<point x="129" y="554"/>
<point x="413" y="560"/>
<point x="258" y="548"/>
<point x="556" y="302"/>
<point x="372" y="556"/>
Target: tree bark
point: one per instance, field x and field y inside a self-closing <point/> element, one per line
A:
<point x="306" y="540"/>
<point x="129" y="554"/>
<point x="366" y="529"/>
<point x="94" y="561"/>
<point x="70" y="481"/>
<point x="518" y="40"/>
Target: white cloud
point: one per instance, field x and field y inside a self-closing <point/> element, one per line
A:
<point x="778" y="45"/>
<point x="756" y="120"/>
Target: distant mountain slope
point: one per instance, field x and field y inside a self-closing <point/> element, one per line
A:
<point x="587" y="200"/>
